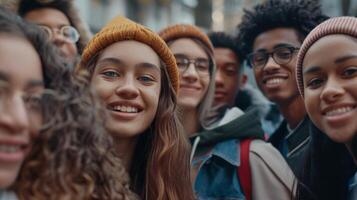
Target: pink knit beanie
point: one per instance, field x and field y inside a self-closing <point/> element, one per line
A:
<point x="337" y="25"/>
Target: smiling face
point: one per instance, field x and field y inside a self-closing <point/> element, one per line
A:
<point x="55" y="20"/>
<point x="19" y="121"/>
<point x="193" y="84"/>
<point x="277" y="82"/>
<point x="227" y="76"/>
<point x="129" y="86"/>
<point x="330" y="83"/>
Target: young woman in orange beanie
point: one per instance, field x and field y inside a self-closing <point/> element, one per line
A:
<point x="135" y="75"/>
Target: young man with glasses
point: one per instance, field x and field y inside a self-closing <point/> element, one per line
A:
<point x="271" y="35"/>
<point x="60" y="21"/>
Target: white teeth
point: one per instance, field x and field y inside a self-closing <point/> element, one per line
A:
<point x="275" y="81"/>
<point x="127" y="109"/>
<point x="9" y="148"/>
<point x="338" y="111"/>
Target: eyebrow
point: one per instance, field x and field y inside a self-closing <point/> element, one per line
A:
<point x="110" y="60"/>
<point x="34" y="83"/>
<point x="283" y="45"/>
<point x="117" y="61"/>
<point x="185" y="56"/>
<point x="29" y="84"/>
<point x="276" y="46"/>
<point x="147" y="65"/>
<point x="344" y="58"/>
<point x="312" y="69"/>
<point x="4" y="77"/>
<point x="57" y="26"/>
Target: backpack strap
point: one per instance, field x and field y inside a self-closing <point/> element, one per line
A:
<point x="244" y="173"/>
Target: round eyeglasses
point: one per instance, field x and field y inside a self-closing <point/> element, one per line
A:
<point x="68" y="32"/>
<point x="280" y="55"/>
<point x="201" y="65"/>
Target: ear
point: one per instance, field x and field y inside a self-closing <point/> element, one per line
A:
<point x="243" y="80"/>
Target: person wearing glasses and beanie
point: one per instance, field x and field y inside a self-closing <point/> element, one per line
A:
<point x="271" y="35"/>
<point x="326" y="74"/>
<point x="61" y="21"/>
<point x="220" y="168"/>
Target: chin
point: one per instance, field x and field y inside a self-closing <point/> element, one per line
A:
<point x="340" y="136"/>
<point x="7" y="179"/>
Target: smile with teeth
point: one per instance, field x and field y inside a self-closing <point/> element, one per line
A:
<point x="126" y="109"/>
<point x="274" y="81"/>
<point x="339" y="111"/>
<point x="5" y="148"/>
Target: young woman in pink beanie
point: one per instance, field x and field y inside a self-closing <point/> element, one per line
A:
<point x="327" y="79"/>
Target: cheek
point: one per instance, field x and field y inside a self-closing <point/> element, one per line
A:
<point x="102" y="88"/>
<point x="205" y="82"/>
<point x="312" y="105"/>
<point x="35" y="125"/>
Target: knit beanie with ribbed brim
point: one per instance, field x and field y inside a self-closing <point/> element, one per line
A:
<point x="337" y="25"/>
<point x="185" y="31"/>
<point x="122" y="29"/>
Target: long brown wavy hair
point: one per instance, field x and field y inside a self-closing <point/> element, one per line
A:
<point x="72" y="157"/>
<point x="161" y="168"/>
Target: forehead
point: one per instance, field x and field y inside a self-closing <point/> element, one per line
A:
<point x="188" y="47"/>
<point x="342" y="45"/>
<point x="225" y="54"/>
<point x="47" y="16"/>
<point x="123" y="50"/>
<point x="269" y="39"/>
<point x="23" y="70"/>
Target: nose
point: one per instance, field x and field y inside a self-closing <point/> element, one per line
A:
<point x="332" y="91"/>
<point x="14" y="116"/>
<point x="127" y="89"/>
<point x="57" y="38"/>
<point x="190" y="74"/>
<point x="271" y="66"/>
<point x="219" y="79"/>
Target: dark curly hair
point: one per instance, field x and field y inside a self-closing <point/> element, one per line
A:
<point x="72" y="157"/>
<point x="301" y="15"/>
<point x="223" y="40"/>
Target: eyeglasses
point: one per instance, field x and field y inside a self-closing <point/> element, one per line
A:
<point x="201" y="65"/>
<point x="281" y="56"/>
<point x="68" y="32"/>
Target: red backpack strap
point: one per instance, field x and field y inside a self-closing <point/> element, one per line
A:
<point x="244" y="173"/>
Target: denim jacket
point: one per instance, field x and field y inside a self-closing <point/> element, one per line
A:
<point x="217" y="172"/>
<point x="352" y="188"/>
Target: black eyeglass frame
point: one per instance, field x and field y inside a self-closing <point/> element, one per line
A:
<point x="272" y="54"/>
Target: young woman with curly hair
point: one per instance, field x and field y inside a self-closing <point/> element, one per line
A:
<point x="135" y="75"/>
<point x="51" y="140"/>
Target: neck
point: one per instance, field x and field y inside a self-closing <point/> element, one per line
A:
<point x="293" y="112"/>
<point x="125" y="148"/>
<point x="189" y="120"/>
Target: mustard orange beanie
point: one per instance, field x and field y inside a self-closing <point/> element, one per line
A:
<point x="185" y="31"/>
<point x="120" y="29"/>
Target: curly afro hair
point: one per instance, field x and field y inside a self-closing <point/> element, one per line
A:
<point x="224" y="40"/>
<point x="301" y="15"/>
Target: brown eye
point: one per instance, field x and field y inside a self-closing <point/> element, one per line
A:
<point x="283" y="53"/>
<point x="350" y="71"/>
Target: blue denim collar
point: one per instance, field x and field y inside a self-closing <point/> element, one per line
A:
<point x="227" y="150"/>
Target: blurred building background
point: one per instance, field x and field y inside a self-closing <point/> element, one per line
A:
<point x="208" y="14"/>
<point x="218" y="15"/>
